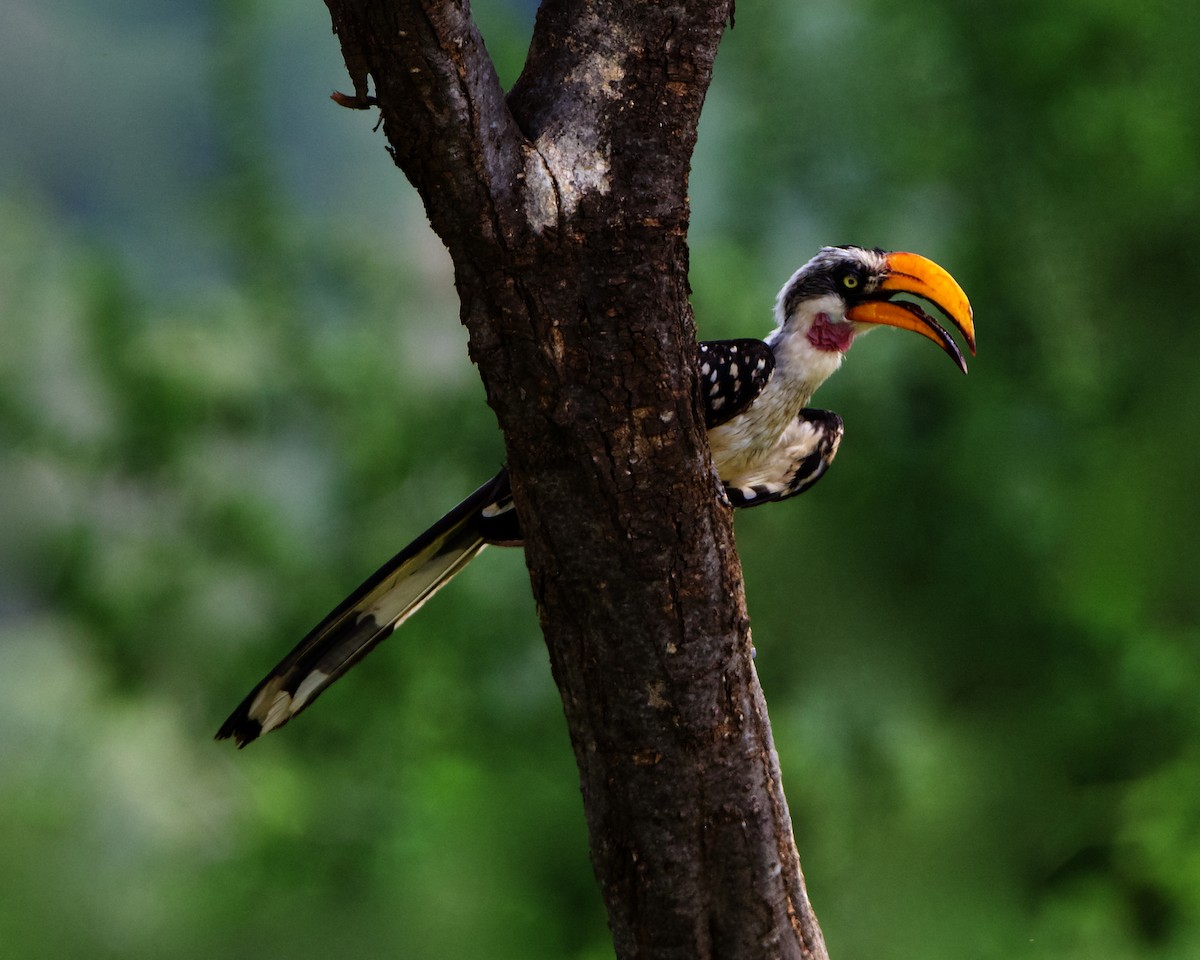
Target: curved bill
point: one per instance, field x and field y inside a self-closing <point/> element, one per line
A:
<point x="914" y="274"/>
<point x="908" y="316"/>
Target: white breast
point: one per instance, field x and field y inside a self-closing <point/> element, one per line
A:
<point x="756" y="441"/>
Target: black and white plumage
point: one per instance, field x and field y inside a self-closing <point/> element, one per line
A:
<point x="732" y="374"/>
<point x="766" y="443"/>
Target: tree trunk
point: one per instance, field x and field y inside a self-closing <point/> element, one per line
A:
<point x="564" y="207"/>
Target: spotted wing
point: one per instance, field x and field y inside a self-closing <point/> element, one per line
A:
<point x="732" y="374"/>
<point x="807" y="448"/>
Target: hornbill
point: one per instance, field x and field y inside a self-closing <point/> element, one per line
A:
<point x="766" y="444"/>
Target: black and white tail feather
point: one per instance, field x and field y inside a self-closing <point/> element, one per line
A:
<point x="369" y="615"/>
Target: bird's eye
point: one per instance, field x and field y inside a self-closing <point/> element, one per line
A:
<point x="850" y="281"/>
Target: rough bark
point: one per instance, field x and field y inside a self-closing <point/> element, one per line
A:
<point x="564" y="207"/>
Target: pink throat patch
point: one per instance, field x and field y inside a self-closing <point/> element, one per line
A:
<point x="824" y="334"/>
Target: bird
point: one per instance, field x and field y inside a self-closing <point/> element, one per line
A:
<point x="767" y="445"/>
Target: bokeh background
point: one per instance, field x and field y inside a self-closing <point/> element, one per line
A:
<point x="232" y="382"/>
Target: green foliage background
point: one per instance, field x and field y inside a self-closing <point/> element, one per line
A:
<point x="232" y="382"/>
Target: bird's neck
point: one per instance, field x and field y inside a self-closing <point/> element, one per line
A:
<point x="808" y="347"/>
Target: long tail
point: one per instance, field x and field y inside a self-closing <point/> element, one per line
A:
<point x="370" y="614"/>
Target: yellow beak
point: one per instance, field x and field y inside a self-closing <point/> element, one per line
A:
<point x="913" y="274"/>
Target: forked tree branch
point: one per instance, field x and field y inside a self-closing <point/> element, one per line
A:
<point x="564" y="207"/>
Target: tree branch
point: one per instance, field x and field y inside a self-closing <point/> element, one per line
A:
<point x="564" y="208"/>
